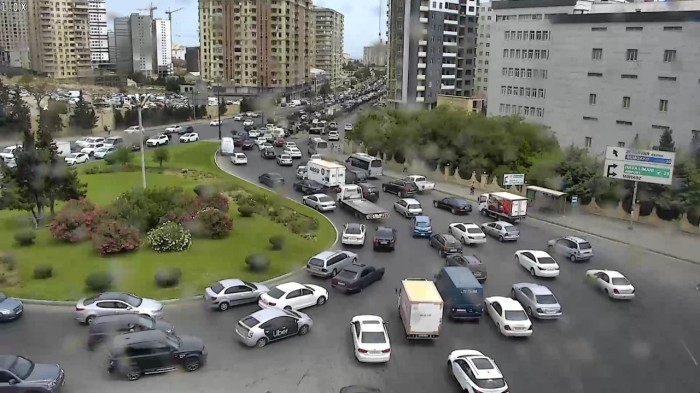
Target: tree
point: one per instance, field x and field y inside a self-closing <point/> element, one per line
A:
<point x="121" y="156"/>
<point x="325" y="90"/>
<point x="39" y="92"/>
<point x="172" y="85"/>
<point x="50" y="121"/>
<point x="666" y="142"/>
<point x="161" y="155"/>
<point x="247" y="105"/>
<point x="222" y="107"/>
<point x="83" y="117"/>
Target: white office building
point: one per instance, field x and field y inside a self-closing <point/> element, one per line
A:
<point x="97" y="34"/>
<point x="163" y="46"/>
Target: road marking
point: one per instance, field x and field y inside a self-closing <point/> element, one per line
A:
<point x="689" y="353"/>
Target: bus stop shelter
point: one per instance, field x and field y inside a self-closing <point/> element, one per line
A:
<point x="546" y="200"/>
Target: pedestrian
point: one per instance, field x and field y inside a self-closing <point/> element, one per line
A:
<point x="405" y="166"/>
<point x="106" y="128"/>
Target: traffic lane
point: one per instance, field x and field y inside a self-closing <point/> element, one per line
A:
<point x="595" y="320"/>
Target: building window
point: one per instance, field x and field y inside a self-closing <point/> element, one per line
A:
<point x="673" y="28"/>
<point x="599" y="28"/>
<point x="590" y="118"/>
<point x="592" y="99"/>
<point x="620" y="144"/>
<point x="663" y="105"/>
<point x="588" y="142"/>
<point x="632" y="54"/>
<point x="669" y="56"/>
<point x="628" y="76"/>
<point x="626" y="102"/>
<point x="597" y="54"/>
<point x="634" y="28"/>
<point x="623" y="123"/>
<point x="667" y="78"/>
<point x="595" y="74"/>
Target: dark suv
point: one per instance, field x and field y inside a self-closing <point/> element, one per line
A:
<point x="369" y="192"/>
<point x="400" y="188"/>
<point x="19" y="375"/>
<point x="105" y="327"/>
<point x="152" y="352"/>
<point x="445" y="243"/>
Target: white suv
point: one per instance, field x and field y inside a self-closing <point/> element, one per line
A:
<point x="408" y="207"/>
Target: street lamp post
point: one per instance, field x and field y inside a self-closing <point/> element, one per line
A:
<point x="140" y="100"/>
<point x="218" y="107"/>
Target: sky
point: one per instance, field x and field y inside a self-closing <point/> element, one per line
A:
<point x="361" y="19"/>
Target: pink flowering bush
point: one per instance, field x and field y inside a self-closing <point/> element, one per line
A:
<point x="212" y="224"/>
<point x="75" y="221"/>
<point x="216" y="200"/>
<point x="114" y="237"/>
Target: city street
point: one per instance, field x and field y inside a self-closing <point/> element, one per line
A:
<point x="645" y="345"/>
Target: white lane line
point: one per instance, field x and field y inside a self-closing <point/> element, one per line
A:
<point x="689" y="353"/>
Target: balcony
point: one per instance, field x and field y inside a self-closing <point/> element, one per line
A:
<point x="425" y="20"/>
<point x="450" y="33"/>
<point x="424" y="8"/>
<point x="420" y="99"/>
<point x="422" y="54"/>
<point x="420" y="77"/>
<point x="447" y="87"/>
<point x="422" y="42"/>
<point x="451" y="22"/>
<point x="449" y="76"/>
<point x="449" y="65"/>
<point x="420" y="88"/>
<point x="449" y="54"/>
<point x="422" y="66"/>
<point x="449" y="43"/>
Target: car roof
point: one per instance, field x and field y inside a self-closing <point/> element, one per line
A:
<point x="539" y="253"/>
<point x="231" y="282"/>
<point x="537" y="289"/>
<point x="576" y="239"/>
<point x="267" y="313"/>
<point x="411" y="201"/>
<point x="422" y="218"/>
<point x="354" y="225"/>
<point x="506" y="302"/>
<point x="127" y="339"/>
<point x="324" y="255"/>
<point x="447" y="236"/>
<point x="289" y="286"/>
<point x="502" y="223"/>
<point x="470" y="225"/>
<point x="613" y="273"/>
<point x="481" y="373"/>
<point x="273" y="174"/>
<point x="376" y="324"/>
<point x="112" y="296"/>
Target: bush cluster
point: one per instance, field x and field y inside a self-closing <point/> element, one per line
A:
<point x="25" y="237"/>
<point x="114" y="237"/>
<point x="168" y="277"/>
<point x="212" y="224"/>
<point x="258" y="263"/>
<point x="99" y="281"/>
<point x="277" y="242"/>
<point x="42" y="272"/>
<point x="169" y="237"/>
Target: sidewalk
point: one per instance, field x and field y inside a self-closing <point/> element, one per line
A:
<point x="676" y="244"/>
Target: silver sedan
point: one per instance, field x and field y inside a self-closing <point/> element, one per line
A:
<point x="272" y="324"/>
<point x="320" y="202"/>
<point x="225" y="293"/>
<point x="537" y="300"/>
<point x="502" y="230"/>
<point x="110" y="303"/>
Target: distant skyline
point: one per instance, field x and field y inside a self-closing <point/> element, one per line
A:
<point x="361" y="19"/>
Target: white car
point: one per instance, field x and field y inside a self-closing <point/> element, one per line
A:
<point x="315" y="157"/>
<point x="348" y="127"/>
<point x="267" y="145"/>
<point x="509" y="316"/>
<point x="76" y="158"/>
<point x="293" y="296"/>
<point x="133" y="130"/>
<point x="90" y="148"/>
<point x="333" y="136"/>
<point x="248" y="123"/>
<point x="215" y="123"/>
<point x="289" y="145"/>
<point x="239" y="159"/>
<point x="613" y="283"/>
<point x="475" y="372"/>
<point x="408" y="207"/>
<point x="238" y="118"/>
<point x="260" y="141"/>
<point x="370" y="338"/>
<point x="320" y="202"/>
<point x="82" y="142"/>
<point x="189" y="137"/>
<point x="103" y="151"/>
<point x="173" y="129"/>
<point x="354" y="234"/>
<point x="284" y="160"/>
<point x="468" y="233"/>
<point x="538" y="263"/>
<point x="158" y="140"/>
<point x="253" y="134"/>
<point x="421" y="182"/>
<point x="292" y="151"/>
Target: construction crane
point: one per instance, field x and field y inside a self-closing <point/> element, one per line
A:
<point x="170" y="13"/>
<point x="150" y="9"/>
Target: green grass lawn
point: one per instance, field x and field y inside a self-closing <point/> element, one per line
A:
<point x="206" y="261"/>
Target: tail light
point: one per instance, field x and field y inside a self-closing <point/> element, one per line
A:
<point x="360" y="350"/>
<point x="386" y="350"/>
<point x="616" y="292"/>
<point x="79" y="309"/>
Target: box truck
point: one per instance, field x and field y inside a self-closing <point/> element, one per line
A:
<point x="330" y="174"/>
<point x="420" y="308"/>
<point x="503" y="205"/>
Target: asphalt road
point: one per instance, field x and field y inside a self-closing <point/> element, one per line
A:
<point x="646" y="345"/>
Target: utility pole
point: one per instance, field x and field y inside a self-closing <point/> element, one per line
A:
<point x="218" y="106"/>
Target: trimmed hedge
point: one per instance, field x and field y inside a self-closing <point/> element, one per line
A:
<point x="99" y="281"/>
<point x="42" y="272"/>
<point x="168" y="277"/>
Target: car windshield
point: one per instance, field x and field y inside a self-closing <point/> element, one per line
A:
<point x="134" y="301"/>
<point x="546" y="261"/>
<point x="250" y="321"/>
<point x="275" y="293"/>
<point x="516" y="315"/>
<point x="474" y="231"/>
<point x="422" y="224"/>
<point x="373" y="338"/>
<point x="490" y="383"/>
<point x="316" y="262"/>
<point x="471" y="260"/>
<point x="292" y="313"/>
<point x="384" y="234"/>
<point x="250" y="284"/>
<point x="620" y="281"/>
<point x="347" y="275"/>
<point x="585" y="246"/>
<point x="8" y="150"/>
<point x="147" y="321"/>
<point x="325" y="199"/>
<point x="3" y="297"/>
<point x="353" y="230"/>
<point x="21" y="367"/>
<point x="73" y="155"/>
<point x="511" y="229"/>
<point x="101" y="149"/>
<point x="546" y="299"/>
<point x="217" y="287"/>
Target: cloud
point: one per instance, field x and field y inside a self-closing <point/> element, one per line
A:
<point x="111" y="15"/>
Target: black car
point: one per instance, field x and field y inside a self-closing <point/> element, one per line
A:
<point x="445" y="244"/>
<point x="152" y="352"/>
<point x="19" y="375"/>
<point x="471" y="262"/>
<point x="454" y="205"/>
<point x="271" y="179"/>
<point x="185" y="130"/>
<point x="369" y="192"/>
<point x="355" y="177"/>
<point x="384" y="239"/>
<point x="268" y="154"/>
<point x="309" y="187"/>
<point x="105" y="327"/>
<point x="400" y="188"/>
<point x="237" y="140"/>
<point x="356" y="277"/>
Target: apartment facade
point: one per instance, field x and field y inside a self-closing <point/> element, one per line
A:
<point x="376" y="54"/>
<point x="123" y="53"/>
<point x="59" y="44"/>
<point x="255" y="47"/>
<point x="192" y="58"/>
<point x="432" y="47"/>
<point x="329" y="28"/>
<point x="486" y="19"/>
<point x="598" y="74"/>
<point x="142" y="45"/>
<point x="14" y="36"/>
<point x="99" y="40"/>
<point x="163" y="53"/>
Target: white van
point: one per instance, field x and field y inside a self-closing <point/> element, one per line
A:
<point x="227" y="147"/>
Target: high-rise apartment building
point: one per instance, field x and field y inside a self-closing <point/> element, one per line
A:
<point x="257" y="46"/>
<point x="375" y="54"/>
<point x="122" y="45"/>
<point x="192" y="58"/>
<point x="142" y="45"/>
<point x="162" y="43"/>
<point x="99" y="42"/>
<point x="59" y="43"/>
<point x="598" y="73"/>
<point x="431" y="50"/>
<point x="486" y="18"/>
<point x="328" y="40"/>
<point x="14" y="35"/>
<point x="112" y="44"/>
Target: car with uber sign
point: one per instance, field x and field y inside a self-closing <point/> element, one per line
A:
<point x="272" y="324"/>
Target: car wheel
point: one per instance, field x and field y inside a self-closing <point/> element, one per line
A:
<point x="572" y="258"/>
<point x="453" y="211"/>
<point x="529" y="311"/>
<point x="464" y="240"/>
<point x="449" y="368"/>
<point x="133" y="374"/>
<point x="500" y="238"/>
<point x="512" y="293"/>
<point x="89" y="319"/>
<point x="261" y="342"/>
<point x="334" y="272"/>
<point x="192" y="363"/>
<point x="498" y="327"/>
<point x="303" y="330"/>
<point x="223" y="306"/>
<point x="321" y="301"/>
<point x="435" y="204"/>
<point x="532" y="272"/>
<point x="607" y="293"/>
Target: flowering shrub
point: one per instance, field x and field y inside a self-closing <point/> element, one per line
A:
<point x="212" y="224"/>
<point x="180" y="216"/>
<point x="114" y="237"/>
<point x="168" y="237"/>
<point x="80" y="205"/>
<point x="72" y="226"/>
<point x="217" y="201"/>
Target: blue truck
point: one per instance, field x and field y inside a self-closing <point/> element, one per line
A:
<point x="461" y="292"/>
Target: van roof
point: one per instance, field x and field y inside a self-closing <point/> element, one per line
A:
<point x="328" y="164"/>
<point x="421" y="291"/>
<point x="461" y="276"/>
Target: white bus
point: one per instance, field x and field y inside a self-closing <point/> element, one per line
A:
<point x="371" y="165"/>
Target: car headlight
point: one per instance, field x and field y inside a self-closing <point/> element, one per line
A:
<point x="5" y="312"/>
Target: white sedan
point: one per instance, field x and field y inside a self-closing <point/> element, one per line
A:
<point x="260" y="142"/>
<point x="293" y="296"/>
<point x="158" y="140"/>
<point x="290" y="144"/>
<point x="214" y="123"/>
<point x="320" y="202"/>
<point x="248" y="123"/>
<point x="239" y="159"/>
<point x="293" y="151"/>
<point x="613" y="283"/>
<point x="468" y="233"/>
<point x="76" y="158"/>
<point x="284" y="160"/>
<point x="371" y="339"/>
<point x="475" y="372"/>
<point x="348" y="127"/>
<point x="253" y="134"/>
<point x="354" y="234"/>
<point x="333" y="136"/>
<point x="173" y="129"/>
<point x="509" y="316"/>
<point x="189" y="137"/>
<point x="238" y="118"/>
<point x="538" y="263"/>
<point x="104" y="151"/>
<point x="91" y="148"/>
